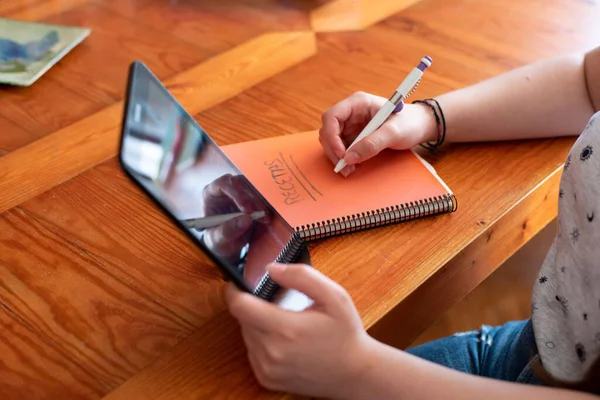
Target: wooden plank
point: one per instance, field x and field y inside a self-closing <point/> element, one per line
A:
<point x="550" y="15"/>
<point x="43" y="108"/>
<point x="35" y="10"/>
<point x="397" y="260"/>
<point x="499" y="240"/>
<point x="169" y="378"/>
<point x="104" y="325"/>
<point x="348" y="15"/>
<point x="489" y="180"/>
<point x="13" y="136"/>
<point x="374" y="61"/>
<point x="101" y="212"/>
<point x="473" y="264"/>
<point x="165" y="36"/>
<point x="216" y="80"/>
<point x="115" y="41"/>
<point x="43" y="164"/>
<point x="57" y="99"/>
<point x="488" y="303"/>
<point x="545" y="26"/>
<point x="32" y="369"/>
<point x="225" y="24"/>
<point x="505" y="35"/>
<point x="549" y="20"/>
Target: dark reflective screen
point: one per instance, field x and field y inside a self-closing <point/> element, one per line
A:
<point x="168" y="153"/>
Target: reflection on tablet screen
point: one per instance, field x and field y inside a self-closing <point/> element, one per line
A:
<point x="168" y="153"/>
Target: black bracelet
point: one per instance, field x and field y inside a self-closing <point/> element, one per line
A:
<point x="441" y="125"/>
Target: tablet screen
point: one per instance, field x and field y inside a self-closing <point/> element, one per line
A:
<point x="165" y="150"/>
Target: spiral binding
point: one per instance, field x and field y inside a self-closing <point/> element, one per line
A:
<point x="384" y="216"/>
<point x="266" y="288"/>
<point x="291" y="250"/>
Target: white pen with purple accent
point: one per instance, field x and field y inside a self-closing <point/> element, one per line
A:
<point x="393" y="105"/>
<point x="216" y="220"/>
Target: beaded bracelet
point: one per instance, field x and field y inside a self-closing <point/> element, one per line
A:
<point x="441" y="125"/>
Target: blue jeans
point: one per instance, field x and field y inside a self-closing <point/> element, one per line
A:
<point x="503" y="352"/>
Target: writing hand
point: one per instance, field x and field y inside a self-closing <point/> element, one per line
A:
<point x="316" y="352"/>
<point x="343" y="122"/>
<point x="230" y="194"/>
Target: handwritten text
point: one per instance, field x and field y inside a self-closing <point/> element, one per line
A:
<point x="284" y="180"/>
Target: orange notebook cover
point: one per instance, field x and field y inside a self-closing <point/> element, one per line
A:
<point x="295" y="176"/>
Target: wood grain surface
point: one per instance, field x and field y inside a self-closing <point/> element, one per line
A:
<point x="214" y="25"/>
<point x="384" y="272"/>
<point x="17" y="137"/>
<point x="35" y="10"/>
<point x="59" y="155"/>
<point x="34" y="370"/>
<point x="488" y="303"/>
<point x="471" y="266"/>
<point x="101" y="297"/>
<point x="400" y="259"/>
<point x="350" y="15"/>
<point x="218" y="347"/>
<point x="58" y="100"/>
<point x="77" y="308"/>
<point x="142" y="248"/>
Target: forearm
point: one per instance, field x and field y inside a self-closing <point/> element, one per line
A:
<point x="392" y="374"/>
<point x="545" y="99"/>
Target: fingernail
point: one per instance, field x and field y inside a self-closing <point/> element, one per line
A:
<point x="351" y="158"/>
<point x="345" y="172"/>
<point x="277" y="268"/>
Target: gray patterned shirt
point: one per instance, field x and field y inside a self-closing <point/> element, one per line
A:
<point x="566" y="296"/>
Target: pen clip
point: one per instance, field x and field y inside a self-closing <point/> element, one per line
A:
<point x="414" y="88"/>
<point x="398" y="99"/>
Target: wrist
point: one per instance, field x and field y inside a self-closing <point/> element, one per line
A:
<point x="361" y="363"/>
<point x="430" y="125"/>
<point x="433" y="137"/>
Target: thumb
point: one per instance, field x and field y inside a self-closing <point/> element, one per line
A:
<point x="322" y="290"/>
<point x="371" y="145"/>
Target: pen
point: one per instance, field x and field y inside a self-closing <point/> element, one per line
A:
<point x="216" y="220"/>
<point x="393" y="105"/>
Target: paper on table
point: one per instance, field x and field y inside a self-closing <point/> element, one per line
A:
<point x="294" y="175"/>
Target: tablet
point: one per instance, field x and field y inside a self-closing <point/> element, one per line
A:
<point x="174" y="162"/>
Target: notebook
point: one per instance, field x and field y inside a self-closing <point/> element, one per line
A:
<point x="29" y="49"/>
<point x="295" y="176"/>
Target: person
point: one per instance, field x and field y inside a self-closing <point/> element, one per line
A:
<point x="243" y="243"/>
<point x="324" y="351"/>
<point x="232" y="194"/>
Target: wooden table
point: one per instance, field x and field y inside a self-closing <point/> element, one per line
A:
<point x="102" y="297"/>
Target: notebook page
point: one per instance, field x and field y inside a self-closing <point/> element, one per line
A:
<point x="294" y="175"/>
